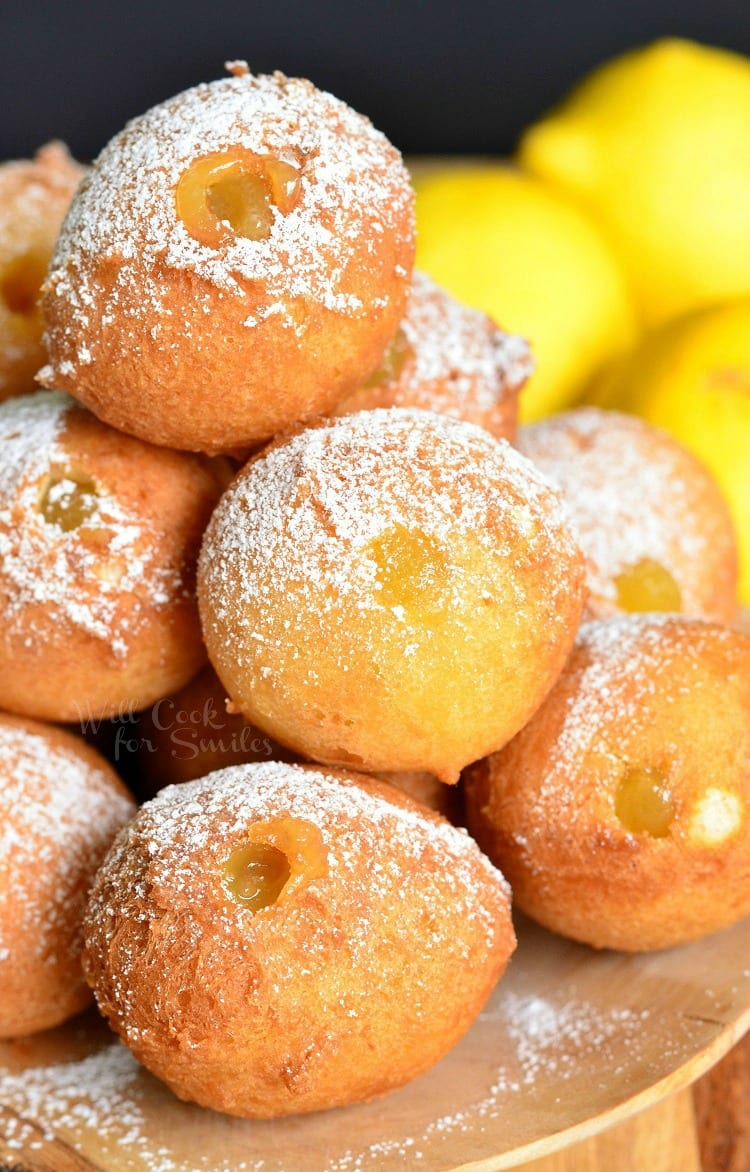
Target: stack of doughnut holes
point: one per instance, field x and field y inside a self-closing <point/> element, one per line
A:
<point x="269" y="507"/>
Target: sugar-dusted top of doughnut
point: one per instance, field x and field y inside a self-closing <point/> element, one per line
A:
<point x="58" y="814"/>
<point x="618" y="666"/>
<point x="453" y="343"/>
<point x="633" y="493"/>
<point x="380" y="852"/>
<point x="353" y="183"/>
<point x="307" y="508"/>
<point x="82" y="583"/>
<point x="34" y="194"/>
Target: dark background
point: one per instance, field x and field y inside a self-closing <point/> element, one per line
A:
<point x="436" y="77"/>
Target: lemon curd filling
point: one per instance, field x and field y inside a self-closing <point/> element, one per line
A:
<point x="255" y="875"/>
<point x="411" y="574"/>
<point x="643" y="802"/>
<point x="647" y="586"/>
<point x="235" y="193"/>
<point x="395" y="358"/>
<point x="68" y="500"/>
<point x="279" y="858"/>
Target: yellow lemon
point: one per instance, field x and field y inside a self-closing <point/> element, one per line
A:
<point x="500" y="241"/>
<point x="692" y="377"/>
<point x="656" y="146"/>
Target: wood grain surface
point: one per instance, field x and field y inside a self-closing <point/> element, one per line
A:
<point x="573" y="1043"/>
<point x="722" y="1111"/>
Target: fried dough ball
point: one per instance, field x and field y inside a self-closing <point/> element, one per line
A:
<point x="237" y="260"/>
<point x="99" y="534"/>
<point x="451" y="359"/>
<point x="190" y="734"/>
<point x="621" y="812"/>
<point x="34" y="196"/>
<point x="443" y="799"/>
<point x="60" y="808"/>
<point x="650" y="518"/>
<point x="393" y="591"/>
<point x="275" y="939"/>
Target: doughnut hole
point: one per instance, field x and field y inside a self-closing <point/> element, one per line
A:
<point x="651" y="520"/>
<point x="34" y="196"/>
<point x="448" y="358"/>
<point x="61" y="805"/>
<point x="619" y="814"/>
<point x="647" y="586"/>
<point x="279" y="858"/>
<point x="99" y="534"/>
<point x="68" y="500"/>
<point x="338" y="995"/>
<point x="235" y="193"/>
<point x="643" y="802"/>
<point x="398" y="591"/>
<point x="277" y="237"/>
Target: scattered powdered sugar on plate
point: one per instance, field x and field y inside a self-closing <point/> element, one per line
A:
<point x="353" y="187"/>
<point x="98" y="1093"/>
<point x="548" y="1043"/>
<point x="90" y="578"/>
<point x="58" y="815"/>
<point x="107" y="1094"/>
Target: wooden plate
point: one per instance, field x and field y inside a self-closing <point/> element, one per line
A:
<point x="571" y="1041"/>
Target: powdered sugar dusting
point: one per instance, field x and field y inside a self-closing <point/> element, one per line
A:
<point x="33" y="197"/>
<point x="175" y="849"/>
<point x="633" y="494"/>
<point x="58" y="815"/>
<point x="618" y="666"/>
<point x="307" y="511"/>
<point x="353" y="184"/>
<point x="459" y="363"/>
<point x="609" y="656"/>
<point x="451" y="340"/>
<point x="547" y="1041"/>
<point x="99" y="1092"/>
<point x="79" y="578"/>
<point x="106" y="1093"/>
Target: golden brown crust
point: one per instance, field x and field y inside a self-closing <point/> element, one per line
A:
<point x="644" y="692"/>
<point x="430" y="791"/>
<point x="34" y="196"/>
<point x="393" y="590"/>
<point x="634" y="493"/>
<point x="353" y="985"/>
<point x="450" y="359"/>
<point x="190" y="734"/>
<point x="102" y="618"/>
<point x="60" y="807"/>
<point x="215" y="348"/>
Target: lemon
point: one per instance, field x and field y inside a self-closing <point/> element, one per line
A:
<point x="500" y="241"/>
<point x="692" y="377"/>
<point x="656" y="146"/>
